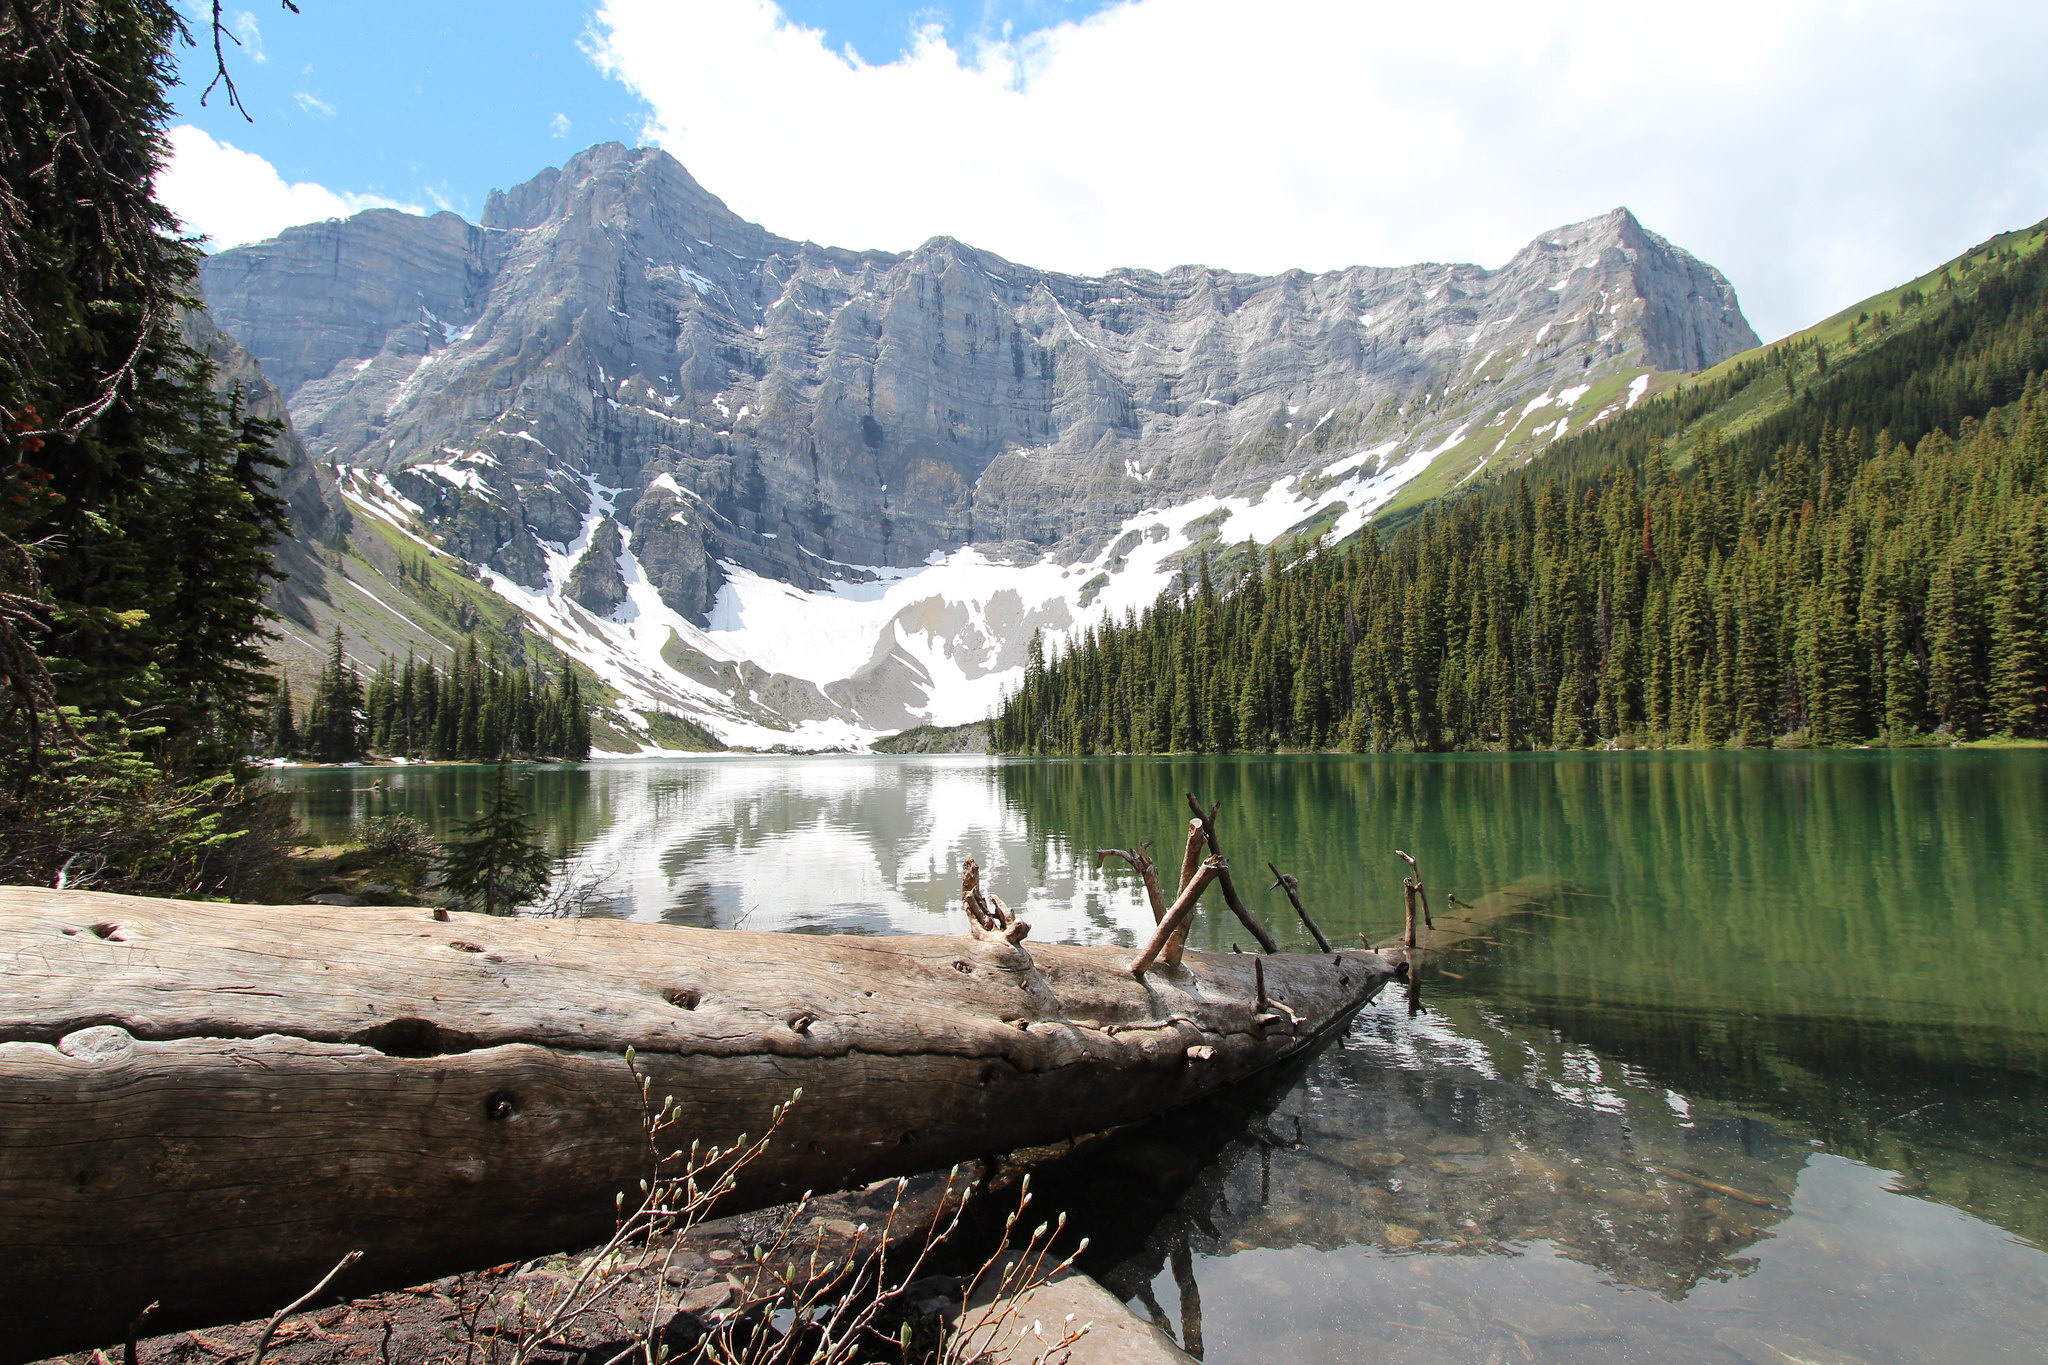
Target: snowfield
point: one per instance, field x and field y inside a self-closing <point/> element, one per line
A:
<point x="880" y="648"/>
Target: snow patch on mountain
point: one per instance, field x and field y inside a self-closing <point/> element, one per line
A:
<point x="773" y="421"/>
<point x="946" y="638"/>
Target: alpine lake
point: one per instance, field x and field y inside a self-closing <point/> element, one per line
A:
<point x="1757" y="1070"/>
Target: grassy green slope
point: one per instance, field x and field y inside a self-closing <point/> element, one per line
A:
<point x="388" y="595"/>
<point x="1954" y="342"/>
<point x="1514" y="437"/>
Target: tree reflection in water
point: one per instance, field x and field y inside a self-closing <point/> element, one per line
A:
<point x="1423" y="1190"/>
<point x="1599" y="1143"/>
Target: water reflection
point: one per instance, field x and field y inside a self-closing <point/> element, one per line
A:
<point x="1766" y="1074"/>
<point x="1963" y="1134"/>
<point x="1818" y="885"/>
<point x="1476" y="1186"/>
<point x="823" y="845"/>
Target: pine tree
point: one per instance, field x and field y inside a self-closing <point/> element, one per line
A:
<point x="405" y="733"/>
<point x="2019" y="635"/>
<point x="469" y="714"/>
<point x="380" y="706"/>
<point x="1954" y="663"/>
<point x="576" y="723"/>
<point x="497" y="862"/>
<point x="146" y="496"/>
<point x="519" y="711"/>
<point x="335" y="730"/>
<point x="284" y="725"/>
<point x="1836" y="686"/>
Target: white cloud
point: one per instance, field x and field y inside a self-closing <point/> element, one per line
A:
<point x="252" y="37"/>
<point x="235" y="197"/>
<point x="1815" y="151"/>
<point x="558" y="126"/>
<point x="313" y="104"/>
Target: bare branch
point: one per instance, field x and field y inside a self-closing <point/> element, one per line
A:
<point x="263" y="1338"/>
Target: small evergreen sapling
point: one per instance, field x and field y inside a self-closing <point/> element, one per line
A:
<point x="497" y="863"/>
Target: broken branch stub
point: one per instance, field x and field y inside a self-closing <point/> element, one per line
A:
<point x="988" y="919"/>
<point x="1207" y="820"/>
<point x="1140" y="858"/>
<point x="1266" y="1011"/>
<point x="1191" y="858"/>
<point x="1420" y="893"/>
<point x="1176" y="921"/>
<point x="1245" y="916"/>
<point x="1190" y="861"/>
<point x="1292" y="886"/>
<point x="1008" y="928"/>
<point x="978" y="912"/>
<point x="1149" y="870"/>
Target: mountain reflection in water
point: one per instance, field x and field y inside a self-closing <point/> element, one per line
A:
<point x="1763" y="1079"/>
<point x="1475" y="1185"/>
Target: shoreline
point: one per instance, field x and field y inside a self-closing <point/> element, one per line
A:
<point x="741" y="755"/>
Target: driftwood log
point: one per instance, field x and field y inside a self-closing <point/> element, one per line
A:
<point x="208" y="1105"/>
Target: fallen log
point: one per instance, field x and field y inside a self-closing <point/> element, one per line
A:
<point x="208" y="1105"/>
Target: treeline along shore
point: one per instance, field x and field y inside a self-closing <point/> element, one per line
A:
<point x="478" y="711"/>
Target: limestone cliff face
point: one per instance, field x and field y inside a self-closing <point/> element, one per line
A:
<point x="333" y="291"/>
<point x="613" y="364"/>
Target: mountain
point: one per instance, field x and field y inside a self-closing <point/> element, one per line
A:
<point x="800" y="494"/>
<point x="1838" y="539"/>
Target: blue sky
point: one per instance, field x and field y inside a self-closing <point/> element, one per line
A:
<point x="1816" y="152"/>
<point x="438" y="103"/>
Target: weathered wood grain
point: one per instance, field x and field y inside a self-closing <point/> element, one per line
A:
<point x="208" y="1104"/>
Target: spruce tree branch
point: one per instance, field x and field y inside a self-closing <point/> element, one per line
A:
<point x="84" y="415"/>
<point x="81" y="126"/>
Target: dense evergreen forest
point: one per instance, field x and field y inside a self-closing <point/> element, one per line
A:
<point x="1803" y="547"/>
<point x="136" y="508"/>
<point x="138" y="512"/>
<point x="480" y="710"/>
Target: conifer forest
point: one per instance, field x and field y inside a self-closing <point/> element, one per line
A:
<point x="478" y="711"/>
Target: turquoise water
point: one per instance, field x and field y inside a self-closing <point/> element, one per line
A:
<point x="1760" y="1065"/>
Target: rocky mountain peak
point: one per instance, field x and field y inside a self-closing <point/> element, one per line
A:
<point x="1689" y="319"/>
<point x="642" y="417"/>
<point x="642" y="192"/>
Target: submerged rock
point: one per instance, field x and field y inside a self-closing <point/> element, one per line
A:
<point x="1544" y="1320"/>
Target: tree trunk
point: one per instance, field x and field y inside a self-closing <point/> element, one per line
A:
<point x="207" y="1105"/>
